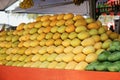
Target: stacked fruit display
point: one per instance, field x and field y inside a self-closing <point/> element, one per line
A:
<point x="61" y="41"/>
<point x="108" y="60"/>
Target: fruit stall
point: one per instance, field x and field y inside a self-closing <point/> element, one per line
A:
<point x="61" y="46"/>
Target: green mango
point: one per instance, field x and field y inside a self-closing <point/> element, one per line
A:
<point x="101" y="67"/>
<point x="104" y="56"/>
<point x="91" y="66"/>
<point x="115" y="56"/>
<point x="113" y="68"/>
<point x="115" y="45"/>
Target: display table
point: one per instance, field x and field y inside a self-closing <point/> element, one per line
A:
<point x="20" y="73"/>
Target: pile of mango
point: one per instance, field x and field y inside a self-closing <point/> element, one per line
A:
<point x="59" y="41"/>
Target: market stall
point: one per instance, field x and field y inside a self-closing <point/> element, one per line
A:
<point x="60" y="46"/>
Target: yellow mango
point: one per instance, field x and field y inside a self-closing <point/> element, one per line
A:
<point x="34" y="43"/>
<point x="9" y="38"/>
<point x="44" y="57"/>
<point x="43" y="42"/>
<point x="20" y="26"/>
<point x="68" y="16"/>
<point x="66" y="42"/>
<point x="38" y="25"/>
<point x="93" y="31"/>
<point x="47" y="29"/>
<point x="9" y="63"/>
<point x="78" y="29"/>
<point x="15" y="44"/>
<point x="19" y="33"/>
<point x="93" y="25"/>
<point x="70" y="28"/>
<point x="43" y="50"/>
<point x="38" y="18"/>
<point x="80" y="22"/>
<point x="36" y="57"/>
<point x="28" y="51"/>
<point x="52" y="65"/>
<point x="28" y="64"/>
<point x="104" y="37"/>
<point x="106" y="44"/>
<point x="15" y="50"/>
<point x="36" y="49"/>
<point x="40" y="30"/>
<point x="45" y="18"/>
<point x="15" y="63"/>
<point x="59" y="49"/>
<point x="88" y="50"/>
<point x="22" y="58"/>
<point x="25" y="32"/>
<point x="53" y="17"/>
<point x="61" y="65"/>
<point x="71" y="65"/>
<point x="53" y="23"/>
<point x="36" y="64"/>
<point x="15" y="57"/>
<point x="46" y="23"/>
<point x="9" y="57"/>
<point x="68" y="49"/>
<point x="31" y="25"/>
<point x="52" y="57"/>
<point x="60" y="23"/>
<point x="98" y="45"/>
<point x="8" y="51"/>
<point x="75" y="42"/>
<point x="59" y="57"/>
<point x="114" y="35"/>
<point x="91" y="57"/>
<point x="54" y="29"/>
<point x="15" y="38"/>
<point x="83" y="35"/>
<point x="69" y="22"/>
<point x="77" y="49"/>
<point x="68" y="57"/>
<point x="9" y="45"/>
<point x="101" y="30"/>
<point x="28" y="58"/>
<point x="60" y="16"/>
<point x="33" y="30"/>
<point x="81" y="66"/>
<point x="20" y="44"/>
<point x="88" y="42"/>
<point x="64" y="36"/>
<point x="56" y="36"/>
<point x="21" y="50"/>
<point x="34" y="36"/>
<point x="3" y="62"/>
<point x="96" y="38"/>
<point x="57" y="42"/>
<point x="79" y="57"/>
<point x="49" y="42"/>
<point x="3" y="50"/>
<point x="44" y="64"/>
<point x="77" y="17"/>
<point x="99" y="51"/>
<point x="20" y="64"/>
<point x="50" y="49"/>
<point x="49" y="35"/>
<point x="26" y="43"/>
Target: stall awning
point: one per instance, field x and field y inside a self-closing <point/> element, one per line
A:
<point x="56" y="6"/>
<point x="6" y="3"/>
